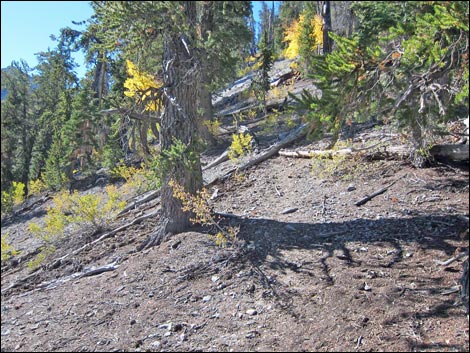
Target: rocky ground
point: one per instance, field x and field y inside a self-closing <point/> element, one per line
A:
<point x="311" y="270"/>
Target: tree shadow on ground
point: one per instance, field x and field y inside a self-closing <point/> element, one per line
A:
<point x="342" y="246"/>
<point x="429" y="231"/>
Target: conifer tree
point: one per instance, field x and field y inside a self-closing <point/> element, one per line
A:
<point x="408" y="62"/>
<point x="198" y="44"/>
<point x="18" y="125"/>
<point x="261" y="84"/>
<point x="56" y="85"/>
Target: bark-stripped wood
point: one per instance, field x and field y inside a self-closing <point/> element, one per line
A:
<point x="298" y="133"/>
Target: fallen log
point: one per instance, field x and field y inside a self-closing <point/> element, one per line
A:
<point x="222" y="158"/>
<point x="298" y="133"/>
<point x="149" y="197"/>
<point x="22" y="281"/>
<point x="40" y="201"/>
<point x="59" y="261"/>
<point x="93" y="271"/>
<point x="456" y="153"/>
<point x="332" y="153"/>
<point x="315" y="153"/>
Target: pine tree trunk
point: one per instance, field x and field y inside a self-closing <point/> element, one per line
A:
<point x="205" y="107"/>
<point x="179" y="121"/>
<point x="326" y="14"/>
<point x="464" y="292"/>
<point x="205" y="26"/>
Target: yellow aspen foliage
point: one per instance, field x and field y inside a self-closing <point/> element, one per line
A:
<point x="317" y="33"/>
<point x="241" y="144"/>
<point x="139" y="85"/>
<point x="7" y="249"/>
<point x="198" y="205"/>
<point x="291" y="35"/>
<point x="314" y="28"/>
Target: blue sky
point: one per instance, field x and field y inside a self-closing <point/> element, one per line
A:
<point x="27" y="25"/>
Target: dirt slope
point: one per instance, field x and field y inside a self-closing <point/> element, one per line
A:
<point x="312" y="272"/>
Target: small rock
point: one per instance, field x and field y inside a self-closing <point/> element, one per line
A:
<point x="252" y="334"/>
<point x="155" y="344"/>
<point x="176" y="244"/>
<point x="289" y="210"/>
<point x="251" y="312"/>
<point x="291" y="228"/>
<point x="177" y="327"/>
<point x="166" y="326"/>
<point x="251" y="246"/>
<point x="215" y="278"/>
<point x="206" y="298"/>
<point x="251" y="288"/>
<point x="351" y="187"/>
<point x="367" y="288"/>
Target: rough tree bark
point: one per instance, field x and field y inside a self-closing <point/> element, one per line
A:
<point x="326" y="14"/>
<point x="205" y="26"/>
<point x="179" y="120"/>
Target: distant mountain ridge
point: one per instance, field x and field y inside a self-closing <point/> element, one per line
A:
<point x="5" y="91"/>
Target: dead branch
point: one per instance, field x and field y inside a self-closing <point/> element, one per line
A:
<point x="59" y="261"/>
<point x="22" y="281"/>
<point x="381" y="191"/>
<point x="452" y="259"/>
<point x="329" y="153"/>
<point x="222" y="158"/>
<point x="41" y="200"/>
<point x="149" y="197"/>
<point x="91" y="272"/>
<point x="298" y="133"/>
